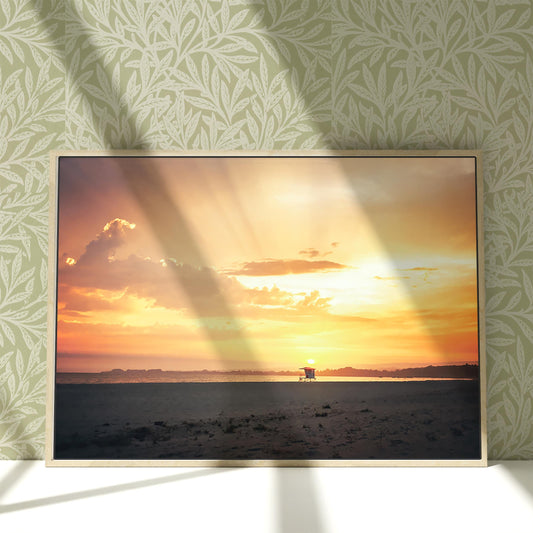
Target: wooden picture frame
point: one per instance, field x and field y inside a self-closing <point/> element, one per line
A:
<point x="321" y="308"/>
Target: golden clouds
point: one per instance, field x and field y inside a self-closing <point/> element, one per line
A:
<point x="103" y="247"/>
<point x="98" y="281"/>
<point x="281" y="267"/>
<point x="118" y="223"/>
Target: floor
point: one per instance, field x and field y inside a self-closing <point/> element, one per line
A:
<point x="312" y="500"/>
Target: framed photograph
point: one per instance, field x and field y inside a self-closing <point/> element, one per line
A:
<point x="266" y="309"/>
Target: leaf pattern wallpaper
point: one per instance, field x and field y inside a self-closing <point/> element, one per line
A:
<point x="269" y="74"/>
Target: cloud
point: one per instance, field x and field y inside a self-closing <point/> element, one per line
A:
<point x="282" y="267"/>
<point x="82" y="282"/>
<point x="98" y="281"/>
<point x="310" y="252"/>
<point x="313" y="252"/>
<point x="76" y="300"/>
<point x="275" y="303"/>
<point x="416" y="269"/>
<point x="107" y="241"/>
<point x="313" y="300"/>
<point x="269" y="297"/>
<point x="390" y="278"/>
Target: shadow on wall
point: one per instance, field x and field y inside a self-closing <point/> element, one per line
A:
<point x="161" y="212"/>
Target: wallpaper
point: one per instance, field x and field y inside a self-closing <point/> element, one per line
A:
<point x="269" y="74"/>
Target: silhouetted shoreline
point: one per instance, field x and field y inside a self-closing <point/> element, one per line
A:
<point x="467" y="371"/>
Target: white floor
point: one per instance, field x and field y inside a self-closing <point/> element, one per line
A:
<point x="494" y="499"/>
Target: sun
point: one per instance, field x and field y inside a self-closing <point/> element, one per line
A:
<point x="310" y="361"/>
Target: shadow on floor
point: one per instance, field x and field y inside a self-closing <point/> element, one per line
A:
<point x="14" y="476"/>
<point x="298" y="502"/>
<point x="522" y="473"/>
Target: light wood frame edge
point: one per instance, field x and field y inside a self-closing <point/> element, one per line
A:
<point x="51" y="322"/>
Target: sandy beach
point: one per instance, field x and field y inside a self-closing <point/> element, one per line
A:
<point x="381" y="420"/>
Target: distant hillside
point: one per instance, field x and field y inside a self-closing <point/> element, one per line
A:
<point x="469" y="371"/>
<point x="447" y="371"/>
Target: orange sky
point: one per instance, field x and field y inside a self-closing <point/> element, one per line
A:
<point x="263" y="263"/>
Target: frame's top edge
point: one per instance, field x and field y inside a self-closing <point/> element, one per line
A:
<point x="264" y="153"/>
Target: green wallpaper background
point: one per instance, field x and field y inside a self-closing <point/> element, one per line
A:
<point x="270" y="74"/>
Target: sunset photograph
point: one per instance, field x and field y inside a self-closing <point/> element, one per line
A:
<point x="261" y="307"/>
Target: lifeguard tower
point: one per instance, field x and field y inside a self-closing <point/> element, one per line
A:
<point x="309" y="374"/>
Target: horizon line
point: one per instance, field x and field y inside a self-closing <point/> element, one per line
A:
<point x="251" y="371"/>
